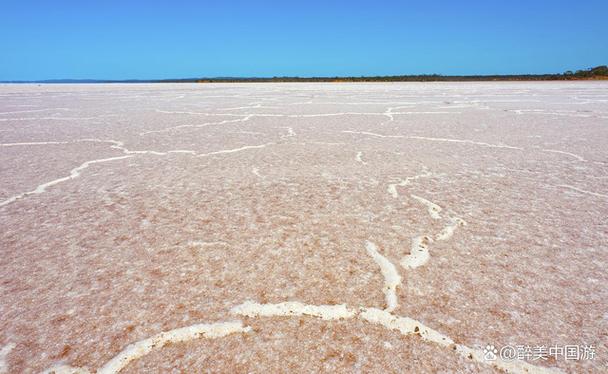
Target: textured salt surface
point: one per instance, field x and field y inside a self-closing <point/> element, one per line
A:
<point x="352" y="227"/>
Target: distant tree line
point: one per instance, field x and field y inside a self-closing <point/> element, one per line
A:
<point x="599" y="72"/>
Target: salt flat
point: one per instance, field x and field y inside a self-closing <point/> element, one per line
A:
<point x="302" y="227"/>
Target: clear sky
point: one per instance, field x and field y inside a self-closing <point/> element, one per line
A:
<point x="177" y="39"/>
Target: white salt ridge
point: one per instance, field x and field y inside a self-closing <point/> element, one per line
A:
<point x="432" y="208"/>
<point x="248" y="116"/>
<point x="200" y="243"/>
<point x="447" y="232"/>
<point x="190" y="113"/>
<point x="35" y="110"/>
<point x="143" y="347"/>
<point x="582" y="191"/>
<point x="392" y="187"/>
<point x="75" y="173"/>
<point x="392" y="279"/>
<point x="389" y="114"/>
<point x="405" y="326"/>
<point x="580" y="158"/>
<point x="120" y="146"/>
<point x="557" y="113"/>
<point x="448" y="140"/>
<point x="3" y="354"/>
<point x="184" y="334"/>
<point x="31" y="143"/>
<point x="293" y="308"/>
<point x="115" y="145"/>
<point x="372" y="134"/>
<point x="252" y="106"/>
<point x="51" y="118"/>
<point x="483" y="144"/>
<point x="244" y="148"/>
<point x="206" y="124"/>
<point x="114" y="142"/>
<point x="158" y="153"/>
<point x="419" y="253"/>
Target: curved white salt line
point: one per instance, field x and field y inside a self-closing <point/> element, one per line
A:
<point x="256" y="106"/>
<point x="168" y="129"/>
<point x="336" y="114"/>
<point x="408" y="326"/>
<point x="34" y="110"/>
<point x="235" y="150"/>
<point x="372" y="134"/>
<point x="184" y="334"/>
<point x="116" y="145"/>
<point x="580" y="158"/>
<point x="325" y="143"/>
<point x="59" y="142"/>
<point x="120" y="146"/>
<point x="431" y="207"/>
<point x="3" y="353"/>
<point x="157" y="153"/>
<point x="581" y="190"/>
<point x="392" y="187"/>
<point x="247" y="132"/>
<point x="143" y="347"/>
<point x="192" y="113"/>
<point x="31" y="143"/>
<point x="433" y="112"/>
<point x="568" y="114"/>
<point x="200" y="243"/>
<point x="419" y="253"/>
<point x="405" y="325"/>
<point x="55" y="118"/>
<point x="447" y="232"/>
<point x="293" y="308"/>
<point x="73" y="174"/>
<point x="465" y="141"/>
<point x="392" y="279"/>
<point x="248" y="116"/>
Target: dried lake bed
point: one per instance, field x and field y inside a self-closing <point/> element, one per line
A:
<point x="300" y="227"/>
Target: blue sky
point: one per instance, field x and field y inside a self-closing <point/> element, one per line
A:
<point x="172" y="39"/>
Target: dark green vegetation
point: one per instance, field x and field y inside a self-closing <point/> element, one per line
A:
<point x="598" y="72"/>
